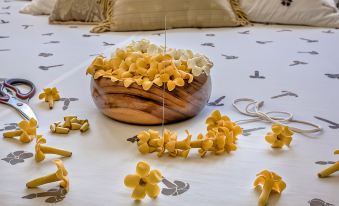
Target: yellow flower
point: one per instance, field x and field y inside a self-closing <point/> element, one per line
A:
<point x="50" y="95"/>
<point x="336" y="152"/>
<point x="280" y="136"/>
<point x="145" y="181"/>
<point x="268" y="181"/>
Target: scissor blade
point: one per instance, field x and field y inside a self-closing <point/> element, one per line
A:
<point x="24" y="109"/>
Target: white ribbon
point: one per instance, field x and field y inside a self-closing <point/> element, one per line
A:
<point x="252" y="109"/>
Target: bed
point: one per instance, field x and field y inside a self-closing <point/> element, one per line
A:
<point x="290" y="68"/>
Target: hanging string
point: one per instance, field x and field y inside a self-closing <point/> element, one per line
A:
<point x="163" y="87"/>
<point x="252" y="109"/>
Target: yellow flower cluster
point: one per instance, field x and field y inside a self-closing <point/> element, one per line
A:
<point x="70" y="123"/>
<point x="145" y="181"/>
<point x="221" y="137"/>
<point x="27" y="131"/>
<point x="142" y="69"/>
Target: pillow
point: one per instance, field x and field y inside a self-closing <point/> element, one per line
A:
<point x="322" y="13"/>
<point x="38" y="7"/>
<point x="76" y="11"/>
<point x="131" y="15"/>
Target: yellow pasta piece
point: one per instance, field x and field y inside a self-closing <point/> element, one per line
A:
<point x="268" y="181"/>
<point x="59" y="175"/>
<point x="280" y="136"/>
<point x="84" y="127"/>
<point x="144" y="181"/>
<point x="50" y="95"/>
<point x="26" y="132"/>
<point x="41" y="150"/>
<point x="331" y="169"/>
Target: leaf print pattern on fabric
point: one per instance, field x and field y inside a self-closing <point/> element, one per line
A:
<point x="325" y="162"/>
<point x="3" y="21"/>
<point x="309" y="40"/>
<point x="244" y="32"/>
<point x="210" y="34"/>
<point x="308" y="52"/>
<point x="17" y="157"/>
<point x="52" y="42"/>
<point x="285" y="93"/>
<point x="26" y="26"/>
<point x="257" y="75"/>
<point x="208" y="44"/>
<point x="174" y="189"/>
<point x="217" y="102"/>
<point x="264" y="42"/>
<point x="9" y="126"/>
<point x="328" y="32"/>
<point x="333" y="76"/>
<point x="319" y="202"/>
<point x="45" y="68"/>
<point x="296" y="62"/>
<point x="45" y="54"/>
<point x="67" y="102"/>
<point x="229" y="57"/>
<point x="333" y="125"/>
<point x="108" y="44"/>
<point x="54" y="195"/>
<point x="47" y="34"/>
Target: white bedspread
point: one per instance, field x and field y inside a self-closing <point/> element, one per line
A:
<point x="300" y="60"/>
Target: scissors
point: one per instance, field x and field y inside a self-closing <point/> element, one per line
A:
<point x="12" y="96"/>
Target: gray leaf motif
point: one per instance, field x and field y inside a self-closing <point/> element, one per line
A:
<point x="319" y="202"/>
<point x="333" y="125"/>
<point x="216" y="102"/>
<point x="208" y="44"/>
<point x="210" y="34"/>
<point x="229" y="56"/>
<point x="67" y="101"/>
<point x="257" y="75"/>
<point x="325" y="162"/>
<point x="309" y="40"/>
<point x="296" y="62"/>
<point x="25" y="26"/>
<point x="285" y="30"/>
<point x="108" y="44"/>
<point x="244" y="32"/>
<point x="47" y="34"/>
<point x="3" y="21"/>
<point x="333" y="76"/>
<point x="52" y="42"/>
<point x="45" y="68"/>
<point x="17" y="157"/>
<point x="174" y="189"/>
<point x="264" y="42"/>
<point x="45" y="54"/>
<point x="285" y="93"/>
<point x="54" y="195"/>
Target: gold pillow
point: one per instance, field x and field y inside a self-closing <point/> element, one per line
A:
<point x="131" y="15"/>
<point x="77" y="11"/>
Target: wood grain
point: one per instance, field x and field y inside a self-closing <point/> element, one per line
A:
<point x="137" y="106"/>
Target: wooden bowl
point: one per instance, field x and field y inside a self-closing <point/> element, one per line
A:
<point x="136" y="106"/>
